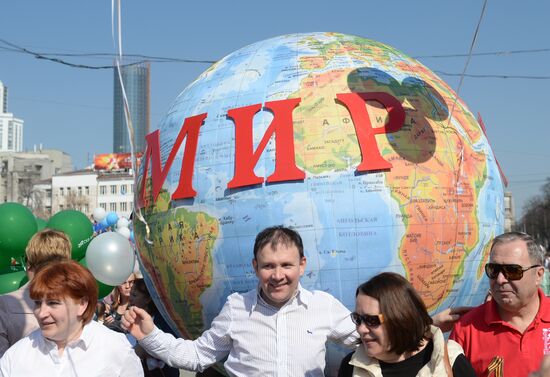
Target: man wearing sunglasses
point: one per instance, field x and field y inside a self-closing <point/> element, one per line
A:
<point x="510" y="334"/>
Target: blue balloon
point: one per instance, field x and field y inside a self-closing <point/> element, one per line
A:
<point x="104" y="224"/>
<point x="132" y="236"/>
<point x="112" y="218"/>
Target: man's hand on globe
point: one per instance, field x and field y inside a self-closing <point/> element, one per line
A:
<point x="137" y="322"/>
<point x="446" y="318"/>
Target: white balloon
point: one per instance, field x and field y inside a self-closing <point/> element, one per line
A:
<point x="99" y="214"/>
<point x="110" y="258"/>
<point x="123" y="231"/>
<point x="122" y="223"/>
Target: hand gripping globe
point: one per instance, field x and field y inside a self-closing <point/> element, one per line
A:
<point x="364" y="151"/>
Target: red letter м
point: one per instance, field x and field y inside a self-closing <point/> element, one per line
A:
<point x="189" y="129"/>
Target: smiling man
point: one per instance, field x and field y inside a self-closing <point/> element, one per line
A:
<point x="509" y="335"/>
<point x="278" y="329"/>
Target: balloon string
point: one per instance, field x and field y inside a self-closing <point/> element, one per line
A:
<point x="127" y="114"/>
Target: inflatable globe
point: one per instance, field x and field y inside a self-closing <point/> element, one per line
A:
<point x="364" y="151"/>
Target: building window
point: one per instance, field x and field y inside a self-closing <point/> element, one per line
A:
<point x="68" y="191"/>
<point x="87" y="190"/>
<point x="103" y="205"/>
<point x="61" y="192"/>
<point x="102" y="190"/>
<point x="123" y="206"/>
<point x="61" y="207"/>
<point x="113" y="189"/>
<point x="123" y="189"/>
<point x="86" y="208"/>
<point x="79" y="190"/>
<point x="112" y="207"/>
<point x="131" y="188"/>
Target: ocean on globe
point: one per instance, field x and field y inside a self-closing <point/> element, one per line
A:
<point x="345" y="139"/>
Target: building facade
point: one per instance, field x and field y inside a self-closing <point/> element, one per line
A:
<point x="116" y="192"/>
<point x="20" y="173"/>
<point x="509" y="213"/>
<point x="85" y="190"/>
<point x="11" y="128"/>
<point x="136" y="79"/>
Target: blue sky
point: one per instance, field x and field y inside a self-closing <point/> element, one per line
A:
<point x="71" y="109"/>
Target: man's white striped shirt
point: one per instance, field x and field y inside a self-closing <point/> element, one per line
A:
<point x="261" y="340"/>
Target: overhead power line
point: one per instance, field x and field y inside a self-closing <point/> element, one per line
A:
<point x="492" y="53"/>
<point x="493" y="76"/>
<point x="56" y="58"/>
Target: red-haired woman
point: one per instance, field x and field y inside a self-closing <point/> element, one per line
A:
<point x="68" y="342"/>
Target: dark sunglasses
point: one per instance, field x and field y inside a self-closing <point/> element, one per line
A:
<point x="510" y="271"/>
<point x="368" y="320"/>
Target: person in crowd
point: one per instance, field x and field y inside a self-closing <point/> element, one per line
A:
<point x="100" y="311"/>
<point x="68" y="342"/>
<point x="140" y="297"/>
<point x="152" y="367"/>
<point x="396" y="334"/>
<point x="280" y="328"/>
<point x="120" y="301"/>
<point x="510" y="334"/>
<point x="16" y="308"/>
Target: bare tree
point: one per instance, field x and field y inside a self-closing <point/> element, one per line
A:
<point x="536" y="216"/>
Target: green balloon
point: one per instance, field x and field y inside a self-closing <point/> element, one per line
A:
<point x="17" y="225"/>
<point x="103" y="289"/>
<point x="77" y="226"/>
<point x="12" y="281"/>
<point x="40" y="224"/>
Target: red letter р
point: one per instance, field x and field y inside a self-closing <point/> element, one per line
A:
<point x="189" y="129"/>
<point x="245" y="156"/>
<point x="355" y="103"/>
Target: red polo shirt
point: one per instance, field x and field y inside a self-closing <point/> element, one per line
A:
<point x="483" y="335"/>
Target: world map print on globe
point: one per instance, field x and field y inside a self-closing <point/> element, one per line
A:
<point x="429" y="214"/>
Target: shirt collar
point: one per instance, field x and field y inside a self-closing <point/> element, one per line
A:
<point x="302" y="297"/>
<point x="544" y="309"/>
<point x="84" y="341"/>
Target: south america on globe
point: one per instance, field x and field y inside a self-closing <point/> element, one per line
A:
<point x="363" y="150"/>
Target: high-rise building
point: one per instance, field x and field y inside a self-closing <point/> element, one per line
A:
<point x="11" y="128"/>
<point x="136" y="84"/>
<point x="3" y="98"/>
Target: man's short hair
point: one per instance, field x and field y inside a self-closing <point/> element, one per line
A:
<point x="278" y="235"/>
<point x="536" y="252"/>
<point x="46" y="246"/>
<point x="405" y="316"/>
<point x="64" y="280"/>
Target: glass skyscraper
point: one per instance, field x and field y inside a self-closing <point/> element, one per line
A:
<point x="136" y="83"/>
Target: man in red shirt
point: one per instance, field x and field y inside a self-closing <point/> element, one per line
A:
<point x="510" y="334"/>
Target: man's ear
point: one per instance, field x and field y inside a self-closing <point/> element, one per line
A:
<point x="303" y="263"/>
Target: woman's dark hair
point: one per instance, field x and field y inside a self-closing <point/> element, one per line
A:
<point x="139" y="287"/>
<point x="405" y="316"/>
